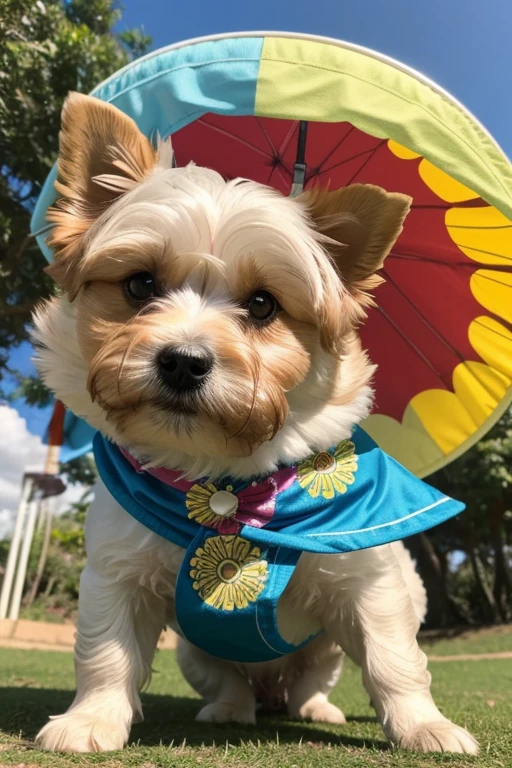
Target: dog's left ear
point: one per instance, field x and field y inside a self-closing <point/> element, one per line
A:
<point x="362" y="223"/>
<point x="359" y="224"/>
<point x="102" y="155"/>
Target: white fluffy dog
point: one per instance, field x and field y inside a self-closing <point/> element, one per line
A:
<point x="263" y="294"/>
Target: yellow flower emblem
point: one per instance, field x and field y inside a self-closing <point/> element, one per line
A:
<point x="201" y="506"/>
<point x="327" y="474"/>
<point x="228" y="573"/>
<point x="212" y="507"/>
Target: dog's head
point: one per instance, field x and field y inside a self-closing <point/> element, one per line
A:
<point x="201" y="317"/>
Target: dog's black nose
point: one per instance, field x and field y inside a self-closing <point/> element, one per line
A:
<point x="184" y="371"/>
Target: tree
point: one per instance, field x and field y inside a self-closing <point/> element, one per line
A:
<point x="482" y="478"/>
<point x="47" y="48"/>
<point x="53" y="590"/>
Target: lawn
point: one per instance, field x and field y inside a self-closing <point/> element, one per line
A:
<point x="34" y="684"/>
<point x="491" y="640"/>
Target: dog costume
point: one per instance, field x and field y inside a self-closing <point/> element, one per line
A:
<point x="243" y="538"/>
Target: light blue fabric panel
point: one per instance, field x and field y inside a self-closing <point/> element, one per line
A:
<point x="247" y="635"/>
<point x="167" y="90"/>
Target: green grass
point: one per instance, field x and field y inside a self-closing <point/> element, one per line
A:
<point x="492" y="640"/>
<point x="35" y="684"/>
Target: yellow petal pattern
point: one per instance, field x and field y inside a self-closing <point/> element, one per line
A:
<point x="493" y="291"/>
<point x="493" y="343"/>
<point x="444" y="418"/>
<point x="198" y="504"/>
<point x="228" y="572"/>
<point x="402" y="152"/>
<point x="444" y="186"/>
<point x="479" y="388"/>
<point x="482" y="234"/>
<point x="437" y="422"/>
<point x="327" y="474"/>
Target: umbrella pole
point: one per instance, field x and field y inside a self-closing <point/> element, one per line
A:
<point x="300" y="167"/>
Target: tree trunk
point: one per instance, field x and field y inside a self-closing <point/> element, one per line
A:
<point x="50" y="586"/>
<point x="502" y="587"/>
<point x="43" y="556"/>
<point x="443" y="609"/>
<point x="481" y="580"/>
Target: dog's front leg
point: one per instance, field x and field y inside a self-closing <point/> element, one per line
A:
<point x="112" y="665"/>
<point x="379" y="632"/>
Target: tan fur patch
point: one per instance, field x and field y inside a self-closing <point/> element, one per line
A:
<point x="360" y="225"/>
<point x="102" y="155"/>
<point x="255" y="367"/>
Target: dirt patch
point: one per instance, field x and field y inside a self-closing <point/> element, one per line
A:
<point x="472" y="656"/>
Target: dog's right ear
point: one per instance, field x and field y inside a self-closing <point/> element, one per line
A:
<point x="102" y="155"/>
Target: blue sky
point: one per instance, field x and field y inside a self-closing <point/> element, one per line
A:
<point x="464" y="45"/>
<point x="37" y="418"/>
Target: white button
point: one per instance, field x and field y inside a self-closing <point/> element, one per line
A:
<point x="224" y="503"/>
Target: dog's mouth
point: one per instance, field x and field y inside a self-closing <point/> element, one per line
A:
<point x="179" y="404"/>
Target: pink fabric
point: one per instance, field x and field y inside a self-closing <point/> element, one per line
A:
<point x="256" y="502"/>
<point x="167" y="476"/>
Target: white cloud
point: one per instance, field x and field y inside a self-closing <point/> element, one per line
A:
<point x="20" y="451"/>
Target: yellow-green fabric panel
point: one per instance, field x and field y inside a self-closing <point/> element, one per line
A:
<point x="311" y="80"/>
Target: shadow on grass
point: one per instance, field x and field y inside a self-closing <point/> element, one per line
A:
<point x="171" y="719"/>
<point x="427" y="636"/>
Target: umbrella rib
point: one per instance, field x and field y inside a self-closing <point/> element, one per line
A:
<point x="478" y="273"/>
<point x="265" y="133"/>
<point x="434" y="330"/>
<point x="482" y="250"/>
<point x="282" y="149"/>
<point x="345" y="160"/>
<point x="451" y="264"/>
<point x="477" y="226"/>
<point x="430" y="206"/>
<point x="493" y="330"/>
<point x="414" y="348"/>
<point x="335" y="148"/>
<point x="370" y="157"/>
<point x="439" y="335"/>
<point x="422" y="317"/>
<point x="236" y="138"/>
<point x="281" y="169"/>
<point x="465" y="205"/>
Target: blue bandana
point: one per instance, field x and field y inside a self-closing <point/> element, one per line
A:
<point x="243" y="539"/>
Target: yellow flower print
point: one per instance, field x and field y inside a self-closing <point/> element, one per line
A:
<point x="212" y="507"/>
<point x="327" y="474"/>
<point x="228" y="572"/>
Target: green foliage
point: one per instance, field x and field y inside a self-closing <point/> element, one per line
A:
<point x="31" y="389"/>
<point x="136" y="41"/>
<point x="47" y="48"/>
<point x="57" y="597"/>
<point x="484" y="473"/>
<point x="482" y="478"/>
<point x="80" y="471"/>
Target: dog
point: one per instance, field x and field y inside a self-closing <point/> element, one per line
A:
<point x="209" y="327"/>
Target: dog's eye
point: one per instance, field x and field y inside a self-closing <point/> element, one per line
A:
<point x="141" y="286"/>
<point x="263" y="306"/>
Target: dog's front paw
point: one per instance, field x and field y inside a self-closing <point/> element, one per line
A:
<point x="225" y="712"/>
<point x="440" y="736"/>
<point x="74" y="732"/>
<point x="318" y="710"/>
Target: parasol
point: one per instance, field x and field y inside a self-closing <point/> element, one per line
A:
<point x="284" y="109"/>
